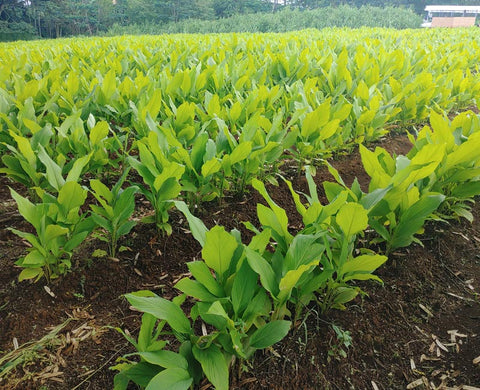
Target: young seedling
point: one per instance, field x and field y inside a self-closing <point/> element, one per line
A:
<point x="59" y="229"/>
<point x="113" y="212"/>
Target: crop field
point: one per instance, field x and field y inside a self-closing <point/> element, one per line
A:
<point x="241" y="211"/>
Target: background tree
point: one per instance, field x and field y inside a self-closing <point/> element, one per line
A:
<point x="56" y="18"/>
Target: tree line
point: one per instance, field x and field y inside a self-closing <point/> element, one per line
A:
<point x="57" y="18"/>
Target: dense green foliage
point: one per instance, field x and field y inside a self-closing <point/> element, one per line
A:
<point x="284" y="20"/>
<point x="245" y="292"/>
<point x="184" y="119"/>
<point x="59" y="229"/>
<point x="22" y="19"/>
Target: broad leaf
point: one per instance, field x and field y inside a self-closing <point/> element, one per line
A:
<point x="270" y="334"/>
<point x="363" y="263"/>
<point x="219" y="249"/>
<point x="171" y="379"/>
<point x="203" y="275"/>
<point x="244" y="286"/>
<point x="195" y="289"/>
<point x="263" y="269"/>
<point x="214" y="365"/>
<point x="162" y="309"/>
<point x="413" y="219"/>
<point x="197" y="226"/>
<point x="352" y="219"/>
<point x="165" y="359"/>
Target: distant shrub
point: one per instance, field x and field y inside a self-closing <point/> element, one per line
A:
<point x="285" y="20"/>
<point x="16" y="31"/>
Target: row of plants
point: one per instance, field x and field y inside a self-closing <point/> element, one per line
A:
<point x="58" y="199"/>
<point x="284" y="20"/>
<point x="222" y="117"/>
<point x="251" y="294"/>
<point x="247" y="296"/>
<point x="258" y="88"/>
<point x="186" y="128"/>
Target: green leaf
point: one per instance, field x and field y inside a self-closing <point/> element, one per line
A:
<point x="25" y="149"/>
<point x="202" y="274"/>
<point x="54" y="231"/>
<point x="101" y="190"/>
<point x="165" y="359"/>
<point x="270" y="334"/>
<point x="125" y="203"/>
<point x="302" y="250"/>
<point x="125" y="228"/>
<point x="31" y="238"/>
<point x="371" y="199"/>
<point x="194" y="367"/>
<point x="329" y="129"/>
<point x="147" y="158"/>
<point x="413" y="219"/>
<point x="109" y="85"/>
<point x="467" y="190"/>
<point x="102" y="222"/>
<point x="291" y="278"/>
<point x="33" y="258"/>
<point x="217" y="309"/>
<point x="316" y="119"/>
<point x="467" y="152"/>
<point x="77" y="168"/>
<point x="71" y="195"/>
<point x="166" y="185"/>
<point x="75" y="241"/>
<point x="198" y="151"/>
<point x="363" y="263"/>
<point x="30" y="273"/>
<point x="99" y="253"/>
<point x="244" y="286"/>
<point x="259" y="306"/>
<point x="336" y="175"/>
<point x="277" y="222"/>
<point x="146" y="338"/>
<point x="171" y="379"/>
<point x="215" y="318"/>
<point x="374" y="168"/>
<point x="241" y="152"/>
<point x="197" y="227"/>
<point x="54" y="172"/>
<point x="211" y="167"/>
<point x="422" y="165"/>
<point x="163" y="310"/>
<point x="361" y="276"/>
<point x="333" y="190"/>
<point x="380" y="229"/>
<point x="214" y="365"/>
<point x="195" y="289"/>
<point x="460" y="210"/>
<point x="296" y="198"/>
<point x="219" y="249"/>
<point x="441" y="128"/>
<point x="275" y="218"/>
<point x="27" y="209"/>
<point x="99" y="132"/>
<point x="344" y="295"/>
<point x="264" y="269"/>
<point x="352" y="219"/>
<point x="260" y="241"/>
<point x="120" y="381"/>
<point x="141" y="373"/>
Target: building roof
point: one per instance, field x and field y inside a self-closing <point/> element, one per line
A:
<point x="468" y="9"/>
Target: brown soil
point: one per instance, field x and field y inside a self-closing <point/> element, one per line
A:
<point x="422" y="325"/>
